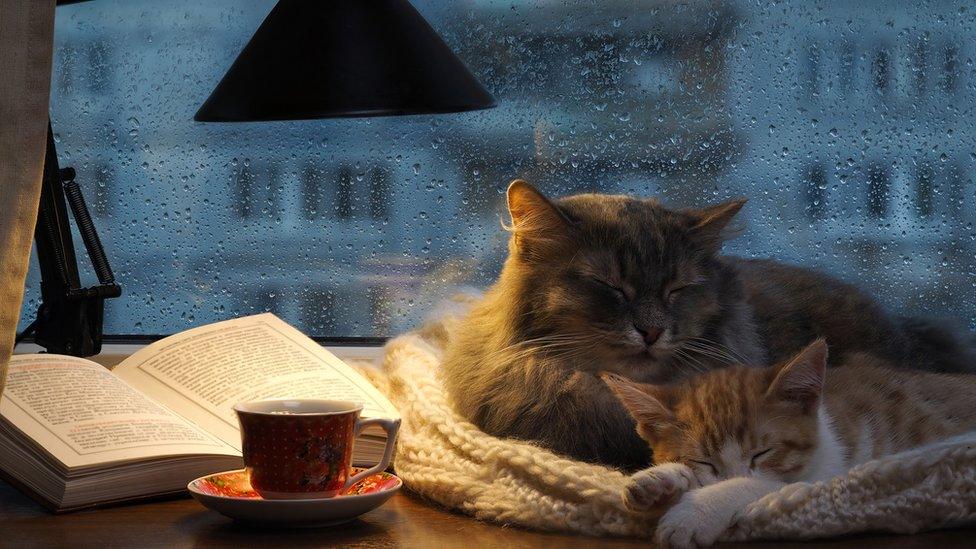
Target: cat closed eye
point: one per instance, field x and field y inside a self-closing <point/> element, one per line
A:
<point x="608" y="285"/>
<point x="758" y="455"/>
<point x="713" y="469"/>
<point x="673" y="292"/>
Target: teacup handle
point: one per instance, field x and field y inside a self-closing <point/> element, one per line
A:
<point x="391" y="426"/>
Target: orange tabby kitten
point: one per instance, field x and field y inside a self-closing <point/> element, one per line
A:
<point x="730" y="436"/>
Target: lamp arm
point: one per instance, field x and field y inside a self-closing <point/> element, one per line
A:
<point x="69" y="319"/>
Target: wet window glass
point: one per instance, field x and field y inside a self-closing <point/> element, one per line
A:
<point x="849" y="128"/>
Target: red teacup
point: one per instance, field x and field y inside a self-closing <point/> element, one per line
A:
<point x="302" y="448"/>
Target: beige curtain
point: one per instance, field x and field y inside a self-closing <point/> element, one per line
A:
<point x="26" y="44"/>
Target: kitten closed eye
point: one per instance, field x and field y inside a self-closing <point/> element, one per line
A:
<point x="711" y="467"/>
<point x="758" y="455"/>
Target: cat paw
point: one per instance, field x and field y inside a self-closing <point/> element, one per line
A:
<point x="658" y="485"/>
<point x="691" y="524"/>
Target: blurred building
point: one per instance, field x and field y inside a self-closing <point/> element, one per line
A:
<point x="850" y="131"/>
<point x="858" y="123"/>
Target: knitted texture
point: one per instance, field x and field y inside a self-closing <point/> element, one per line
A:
<point x="923" y="489"/>
<point x="450" y="461"/>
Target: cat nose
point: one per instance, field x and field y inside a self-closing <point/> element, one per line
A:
<point x="650" y="334"/>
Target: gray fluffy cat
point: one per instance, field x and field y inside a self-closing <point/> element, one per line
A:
<point x="617" y="284"/>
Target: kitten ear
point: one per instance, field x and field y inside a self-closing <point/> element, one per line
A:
<point x="644" y="402"/>
<point x="534" y="218"/>
<point x="711" y="224"/>
<point x="801" y="380"/>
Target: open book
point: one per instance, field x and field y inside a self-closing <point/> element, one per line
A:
<point x="74" y="434"/>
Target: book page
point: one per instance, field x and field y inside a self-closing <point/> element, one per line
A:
<point x="203" y="372"/>
<point x="82" y="414"/>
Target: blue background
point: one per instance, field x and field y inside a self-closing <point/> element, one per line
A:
<point x="849" y="128"/>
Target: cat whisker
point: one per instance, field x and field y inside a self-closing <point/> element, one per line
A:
<point x="542" y="340"/>
<point x="711" y="345"/>
<point x="544" y="345"/>
<point x="707" y="353"/>
<point x="705" y="344"/>
<point x="515" y="354"/>
<point x="718" y="359"/>
<point x="697" y="366"/>
<point x="710" y="351"/>
<point x="511" y="355"/>
<point x="687" y="369"/>
<point x="702" y="366"/>
<point x="720" y="346"/>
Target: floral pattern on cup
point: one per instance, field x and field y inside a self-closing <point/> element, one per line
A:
<point x="295" y="453"/>
<point x="302" y="448"/>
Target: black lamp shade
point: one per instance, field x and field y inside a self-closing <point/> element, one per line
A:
<point x="343" y="58"/>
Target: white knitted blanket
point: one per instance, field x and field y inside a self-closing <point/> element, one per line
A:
<point x="452" y="462"/>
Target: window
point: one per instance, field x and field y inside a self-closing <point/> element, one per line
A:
<point x="816" y="192"/>
<point x="881" y="71"/>
<point x="948" y="77"/>
<point x="103" y="188"/>
<point x="919" y="68"/>
<point x="813" y="83"/>
<point x="313" y="187"/>
<point x="379" y="194"/>
<point x="847" y="75"/>
<point x="846" y="128"/>
<point x="879" y="191"/>
<point x="318" y="311"/>
<point x="100" y="66"/>
<point x="244" y="189"/>
<point x="344" y="193"/>
<point x="924" y="190"/>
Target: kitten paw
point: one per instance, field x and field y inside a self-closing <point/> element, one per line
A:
<point x="691" y="524"/>
<point x="658" y="485"/>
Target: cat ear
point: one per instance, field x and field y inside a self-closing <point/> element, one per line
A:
<point x="535" y="220"/>
<point x="801" y="380"/>
<point x="711" y="225"/>
<point x="644" y="402"/>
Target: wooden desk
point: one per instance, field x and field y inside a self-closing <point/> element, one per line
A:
<point x="404" y="521"/>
